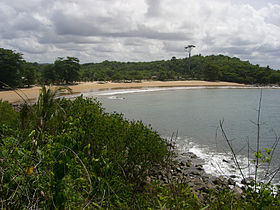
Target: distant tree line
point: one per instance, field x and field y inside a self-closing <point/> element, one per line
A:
<point x="16" y="72"/>
<point x="210" y="68"/>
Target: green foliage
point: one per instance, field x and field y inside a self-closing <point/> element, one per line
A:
<point x="72" y="154"/>
<point x="66" y="70"/>
<point x="29" y="74"/>
<point x="10" y="68"/>
<point x="48" y="74"/>
<point x="264" y="198"/>
<point x="211" y="72"/>
<point x="16" y="73"/>
<point x="63" y="71"/>
<point x="264" y="157"/>
<point x="226" y="199"/>
<point x="8" y="116"/>
<point x="213" y="67"/>
<point x="169" y="196"/>
<point x="47" y="107"/>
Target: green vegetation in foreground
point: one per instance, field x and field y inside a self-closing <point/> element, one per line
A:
<point x="65" y="154"/>
<point x="15" y="72"/>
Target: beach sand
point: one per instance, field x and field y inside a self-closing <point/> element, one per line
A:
<point x="32" y="93"/>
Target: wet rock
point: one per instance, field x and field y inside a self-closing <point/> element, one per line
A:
<point x="218" y="181"/>
<point x="247" y="181"/>
<point x="226" y="161"/>
<point x="232" y="166"/>
<point x="199" y="167"/>
<point x="188" y="163"/>
<point x="205" y="178"/>
<point x="165" y="180"/>
<point x="207" y="187"/>
<point x="182" y="164"/>
<point x="231" y="182"/>
<point x="237" y="190"/>
<point x="178" y="170"/>
<point x="169" y="175"/>
<point x="204" y="189"/>
<point x="194" y="173"/>
<point x="192" y="155"/>
<point x="188" y="168"/>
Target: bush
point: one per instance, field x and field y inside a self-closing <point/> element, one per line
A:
<point x="8" y="115"/>
<point x="75" y="157"/>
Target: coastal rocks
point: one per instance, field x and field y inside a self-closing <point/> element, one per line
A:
<point x="188" y="169"/>
<point x="247" y="181"/>
<point x="199" y="167"/>
<point x="231" y="182"/>
<point x="237" y="190"/>
<point x="226" y="161"/>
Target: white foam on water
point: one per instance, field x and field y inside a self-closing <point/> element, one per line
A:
<point x="218" y="163"/>
<point x="155" y="89"/>
<point x="113" y="92"/>
<point x="129" y="91"/>
<point x="116" y="98"/>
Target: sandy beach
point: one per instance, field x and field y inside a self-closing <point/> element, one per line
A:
<point x="32" y="93"/>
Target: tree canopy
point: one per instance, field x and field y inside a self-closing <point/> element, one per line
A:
<point x="15" y="72"/>
<point x="213" y="67"/>
<point x="67" y="69"/>
<point x="211" y="72"/>
<point x="10" y="68"/>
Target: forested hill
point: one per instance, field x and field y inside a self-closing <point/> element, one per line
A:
<point x="214" y="67"/>
<point x="16" y="72"/>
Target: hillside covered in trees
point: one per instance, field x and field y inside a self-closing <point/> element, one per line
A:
<point x="212" y="68"/>
<point x="16" y="72"/>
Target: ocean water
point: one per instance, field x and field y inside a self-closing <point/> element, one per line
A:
<point x="193" y="115"/>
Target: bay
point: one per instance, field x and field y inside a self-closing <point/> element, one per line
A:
<point x="195" y="113"/>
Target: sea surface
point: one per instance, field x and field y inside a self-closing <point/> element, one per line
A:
<point x="192" y="118"/>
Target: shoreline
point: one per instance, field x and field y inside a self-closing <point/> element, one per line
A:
<point x="187" y="168"/>
<point x="32" y="93"/>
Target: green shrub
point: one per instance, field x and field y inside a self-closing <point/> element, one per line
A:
<point x="8" y="115"/>
<point x="76" y="156"/>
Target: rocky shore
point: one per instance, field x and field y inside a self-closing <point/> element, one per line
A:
<point x="188" y="169"/>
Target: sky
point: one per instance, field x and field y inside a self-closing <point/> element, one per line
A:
<point x="141" y="30"/>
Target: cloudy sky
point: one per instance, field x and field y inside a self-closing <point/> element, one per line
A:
<point x="141" y="30"/>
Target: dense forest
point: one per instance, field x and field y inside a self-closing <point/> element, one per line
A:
<point x="211" y="68"/>
<point x="16" y="72"/>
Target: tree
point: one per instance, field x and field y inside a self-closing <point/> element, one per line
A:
<point x="274" y="78"/>
<point x="67" y="70"/>
<point x="211" y="72"/>
<point x="48" y="74"/>
<point x="162" y="76"/>
<point x="29" y="73"/>
<point x="117" y="77"/>
<point x="10" y="68"/>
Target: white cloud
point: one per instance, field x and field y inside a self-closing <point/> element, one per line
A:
<point x="141" y="30"/>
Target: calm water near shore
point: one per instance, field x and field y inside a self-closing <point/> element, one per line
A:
<point x="195" y="114"/>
